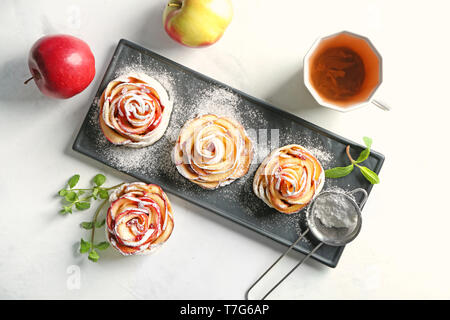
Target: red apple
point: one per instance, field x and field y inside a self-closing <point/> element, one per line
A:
<point x="197" y="23"/>
<point x="61" y="65"/>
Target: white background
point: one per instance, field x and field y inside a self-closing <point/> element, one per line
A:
<point x="402" y="251"/>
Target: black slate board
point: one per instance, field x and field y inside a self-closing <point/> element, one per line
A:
<point x="236" y="201"/>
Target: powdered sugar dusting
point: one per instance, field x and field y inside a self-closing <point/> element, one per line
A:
<point x="220" y="102"/>
<point x="197" y="97"/>
<point x="156" y="158"/>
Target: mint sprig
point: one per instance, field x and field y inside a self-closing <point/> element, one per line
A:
<point x="89" y="246"/>
<point x="73" y="197"/>
<point x="339" y="172"/>
<point x="80" y="199"/>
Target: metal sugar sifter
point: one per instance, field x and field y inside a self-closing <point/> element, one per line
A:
<point x="326" y="235"/>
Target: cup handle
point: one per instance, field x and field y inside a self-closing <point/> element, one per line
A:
<point x="381" y="105"/>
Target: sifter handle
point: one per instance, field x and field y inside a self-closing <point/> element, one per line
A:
<point x="292" y="270"/>
<point x="365" y="195"/>
<point x="273" y="265"/>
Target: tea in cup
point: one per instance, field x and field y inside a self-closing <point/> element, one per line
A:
<point x="343" y="71"/>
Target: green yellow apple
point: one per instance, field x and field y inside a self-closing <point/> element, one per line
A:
<point x="197" y="23"/>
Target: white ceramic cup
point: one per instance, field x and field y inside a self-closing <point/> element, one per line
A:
<point x="372" y="67"/>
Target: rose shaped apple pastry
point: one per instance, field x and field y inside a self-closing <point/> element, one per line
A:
<point x="139" y="219"/>
<point x="288" y="179"/>
<point x="134" y="110"/>
<point x="212" y="151"/>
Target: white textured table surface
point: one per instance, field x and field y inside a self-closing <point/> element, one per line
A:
<point x="402" y="251"/>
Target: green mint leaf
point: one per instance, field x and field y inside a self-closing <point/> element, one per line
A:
<point x="71" y="196"/>
<point x="99" y="179"/>
<point x="62" y="192"/>
<point x="363" y="155"/>
<point x="67" y="209"/>
<point x="85" y="246"/>
<point x="82" y="205"/>
<point x="103" y="194"/>
<point x="102" y="245"/>
<point x="81" y="192"/>
<point x="73" y="180"/>
<point x="86" y="225"/>
<point x="369" y="175"/>
<point x="338" y="172"/>
<point x="93" y="256"/>
<point x="99" y="224"/>
<point x="95" y="192"/>
<point x="368" y="142"/>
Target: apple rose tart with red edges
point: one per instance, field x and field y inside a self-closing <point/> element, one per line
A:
<point x="288" y="179"/>
<point x="139" y="219"/>
<point x="134" y="110"/>
<point x="212" y="151"/>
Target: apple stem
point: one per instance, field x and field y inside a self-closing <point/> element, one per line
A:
<point x="175" y="3"/>
<point x="28" y="80"/>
